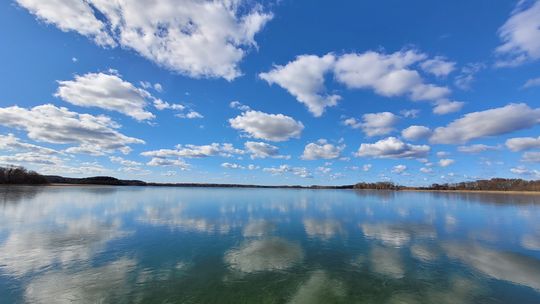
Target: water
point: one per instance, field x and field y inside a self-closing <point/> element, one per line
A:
<point x="182" y="245"/>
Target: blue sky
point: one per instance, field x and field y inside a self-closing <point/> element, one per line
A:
<point x="277" y="92"/>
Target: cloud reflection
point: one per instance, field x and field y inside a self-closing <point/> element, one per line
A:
<point x="507" y="266"/>
<point x="264" y="255"/>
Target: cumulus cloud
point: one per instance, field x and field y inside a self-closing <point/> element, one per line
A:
<point x="416" y="132"/>
<point x="48" y="123"/>
<point x="522" y="170"/>
<point x="272" y="127"/>
<point x="374" y="124"/>
<point x="534" y="82"/>
<point x="190" y="115"/>
<point x="232" y="166"/>
<point x="399" y="169"/>
<point x="238" y="105"/>
<point x="304" y="79"/>
<point x="490" y="122"/>
<point x="74" y="16"/>
<point x="162" y="105"/>
<point x="438" y="66"/>
<point x="124" y="162"/>
<point x="523" y="143"/>
<point x="445" y="162"/>
<point x="446" y="107"/>
<point x="531" y="157"/>
<point x="321" y="150"/>
<point x="30" y="158"/>
<point x="520" y="35"/>
<point x="166" y="162"/>
<point x="388" y="75"/>
<point x="106" y="91"/>
<point x="196" y="38"/>
<point x="392" y="147"/>
<point x="298" y="171"/>
<point x="263" y="150"/>
<point x="467" y="75"/>
<point x="196" y="151"/>
<point x="426" y="170"/>
<point x="477" y="148"/>
<point x="411" y="113"/>
<point x="10" y="142"/>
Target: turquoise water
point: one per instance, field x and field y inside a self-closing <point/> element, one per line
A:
<point x="194" y="245"/>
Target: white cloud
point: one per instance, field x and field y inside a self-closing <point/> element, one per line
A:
<point x="164" y="162"/>
<point x="446" y="107"/>
<point x="366" y="167"/>
<point x="158" y="87"/>
<point x="272" y="127"/>
<point x="190" y="115"/>
<point x="523" y="143"/>
<point x="534" y="82"/>
<point x="232" y="166"/>
<point x="195" y="151"/>
<point x="438" y="66"/>
<point x="388" y="75"/>
<point x="522" y="170"/>
<point x="412" y="113"/>
<point x="399" y="169"/>
<point x="123" y="161"/>
<point x="321" y="150"/>
<point x="416" y="132"/>
<point x="106" y="91"/>
<point x="441" y="154"/>
<point x="520" y="35"/>
<point x="298" y="171"/>
<point x="30" y="158"/>
<point x="162" y="105"/>
<point x="533" y="157"/>
<point x="477" y="148"/>
<point x="392" y="147"/>
<point x="490" y="122"/>
<point x="445" y="162"/>
<point x="195" y="38"/>
<point x="263" y="150"/>
<point x="70" y="15"/>
<point x="12" y="143"/>
<point x="374" y="124"/>
<point x="304" y="79"/>
<point x="467" y="75"/>
<point x="426" y="170"/>
<point x="48" y="123"/>
<point x="238" y="105"/>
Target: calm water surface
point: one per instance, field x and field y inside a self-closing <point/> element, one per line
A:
<point x="181" y="245"/>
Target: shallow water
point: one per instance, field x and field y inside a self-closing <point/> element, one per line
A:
<point x="194" y="245"/>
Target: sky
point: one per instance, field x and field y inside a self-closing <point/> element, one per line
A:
<point x="274" y="92"/>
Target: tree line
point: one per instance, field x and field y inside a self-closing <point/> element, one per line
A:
<point x="20" y="175"/>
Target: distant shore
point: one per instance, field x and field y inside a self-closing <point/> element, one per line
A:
<point x="13" y="175"/>
<point x="239" y="186"/>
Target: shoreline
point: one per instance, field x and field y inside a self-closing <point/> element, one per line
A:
<point x="524" y="192"/>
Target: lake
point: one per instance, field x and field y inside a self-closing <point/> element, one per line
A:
<point x="196" y="245"/>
